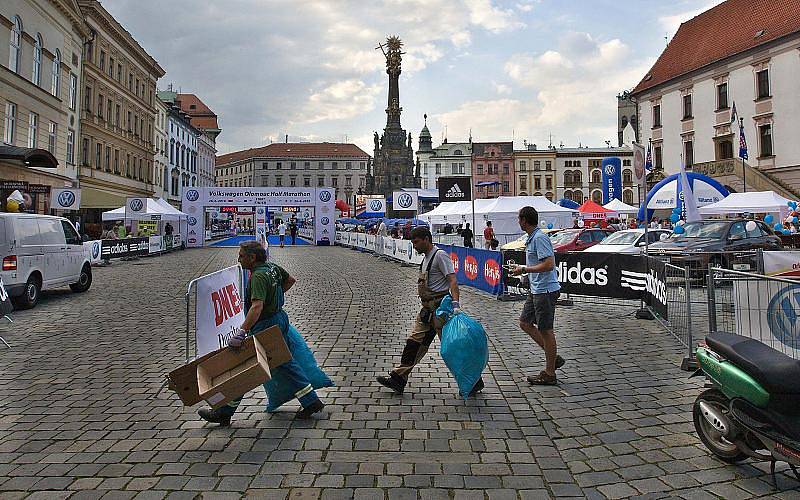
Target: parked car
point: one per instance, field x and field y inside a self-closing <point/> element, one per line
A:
<point x="40" y="252"/>
<point x="629" y="241"/>
<point x="715" y="241"/>
<point x="519" y="243"/>
<point x="570" y="240"/>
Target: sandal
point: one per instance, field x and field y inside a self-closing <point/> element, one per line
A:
<point x="542" y="379"/>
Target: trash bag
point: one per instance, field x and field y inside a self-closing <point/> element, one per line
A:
<point x="279" y="391"/>
<point x="464" y="347"/>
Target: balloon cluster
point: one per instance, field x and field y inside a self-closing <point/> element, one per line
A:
<point x="676" y="220"/>
<point x="792" y="218"/>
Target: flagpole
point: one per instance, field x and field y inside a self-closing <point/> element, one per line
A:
<point x="744" y="167"/>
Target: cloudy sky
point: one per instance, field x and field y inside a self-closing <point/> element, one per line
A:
<point x="502" y="68"/>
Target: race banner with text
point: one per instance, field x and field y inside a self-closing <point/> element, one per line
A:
<point x="481" y="269"/>
<point x="128" y="247"/>
<point x="220" y="309"/>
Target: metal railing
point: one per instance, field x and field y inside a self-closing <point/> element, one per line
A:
<point x="761" y="307"/>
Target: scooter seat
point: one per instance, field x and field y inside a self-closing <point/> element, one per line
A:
<point x="777" y="372"/>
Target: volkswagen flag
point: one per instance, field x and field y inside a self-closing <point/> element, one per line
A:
<point x="65" y="199"/>
<point x="135" y="207"/>
<point x="403" y="200"/>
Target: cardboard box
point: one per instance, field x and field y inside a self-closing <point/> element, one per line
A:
<point x="232" y="371"/>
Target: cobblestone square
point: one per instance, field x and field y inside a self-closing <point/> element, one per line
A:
<point x="82" y="417"/>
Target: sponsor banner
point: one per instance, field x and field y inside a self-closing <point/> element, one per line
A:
<point x="135" y="207"/>
<point x="361" y="240"/>
<point x="261" y="226"/>
<point x="324" y="216"/>
<point x="376" y="205"/>
<point x="156" y="244"/>
<point x="612" y="179"/>
<point x="147" y="225"/>
<point x="775" y="325"/>
<point x="379" y="245"/>
<point x="477" y="268"/>
<point x="65" y="199"/>
<point x="220" y="309"/>
<point x="371" y="242"/>
<point x="5" y="301"/>
<point x="388" y="246"/>
<point x="402" y="200"/>
<point x="455" y="189"/>
<point x="784" y="264"/>
<point x="91" y="249"/>
<point x="608" y="275"/>
<point x="177" y="240"/>
<point x="128" y="247"/>
<point x="306" y="233"/>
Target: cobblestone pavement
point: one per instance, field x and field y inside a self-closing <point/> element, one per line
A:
<point x="79" y="417"/>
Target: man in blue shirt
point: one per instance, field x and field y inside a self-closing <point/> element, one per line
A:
<point x="538" y="313"/>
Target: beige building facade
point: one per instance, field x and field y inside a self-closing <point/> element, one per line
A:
<point x="536" y="172"/>
<point x="119" y="111"/>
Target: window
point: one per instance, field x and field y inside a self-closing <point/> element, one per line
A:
<point x="293" y="165"/>
<point x="765" y="139"/>
<point x="292" y="181"/>
<point x="10" y="123"/>
<point x="626" y="163"/>
<point x="108" y="111"/>
<point x="100" y="105"/>
<point x="722" y="96"/>
<point x="108" y="159"/>
<point x="576" y="177"/>
<point x="480" y="169"/>
<point x="320" y="181"/>
<point x="548" y="182"/>
<point x="306" y="181"/>
<point x="687" y="106"/>
<point x="279" y="181"/>
<point x="98" y="153"/>
<point x="87" y="98"/>
<point x="321" y="165"/>
<point x="725" y="150"/>
<point x="567" y="178"/>
<point x="523" y="183"/>
<point x="334" y="165"/>
<point x="335" y="182"/>
<point x="596" y="177"/>
<point x="116" y="161"/>
<point x="70" y="146"/>
<point x="348" y="165"/>
<point x="438" y="168"/>
<point x="762" y="83"/>
<point x="657" y="154"/>
<point x="505" y="187"/>
<point x="15" y="45"/>
<point x="84" y="151"/>
<point x="738" y="231"/>
<point x="348" y="181"/>
<point x="55" y="87"/>
<point x="688" y="152"/>
<point x="102" y="60"/>
<point x="119" y="72"/>
<point x="116" y="115"/>
<point x="111" y="67"/>
<point x="73" y="90"/>
<point x="130" y="121"/>
<point x="656" y="116"/>
<point x="548" y="165"/>
<point x="130" y="81"/>
<point x="627" y="197"/>
<point x="522" y="165"/>
<point x="36" y="74"/>
<point x="505" y="168"/>
<point x="278" y="165"/>
<point x="33" y="128"/>
<point x="307" y="165"/>
<point x="52" y="134"/>
<point x="537" y="165"/>
<point x="537" y="183"/>
<point x="627" y="177"/>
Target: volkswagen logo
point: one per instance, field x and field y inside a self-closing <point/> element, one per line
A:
<point x="66" y="199"/>
<point x="610" y="170"/>
<point x="405" y="200"/>
<point x="136" y="204"/>
<point x="376" y="205"/>
<point x="192" y="195"/>
<point x="782" y="315"/>
<point x="95" y="250"/>
<point x="325" y="221"/>
<point x="192" y="221"/>
<point x="325" y="196"/>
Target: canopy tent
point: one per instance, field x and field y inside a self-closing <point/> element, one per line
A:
<point x="668" y="193"/>
<point x="619" y="207"/>
<point x="752" y="202"/>
<point x="169" y="209"/>
<point x="503" y="212"/>
<point x="592" y="210"/>
<point x="563" y="202"/>
<point x="342" y="206"/>
<point x="152" y="207"/>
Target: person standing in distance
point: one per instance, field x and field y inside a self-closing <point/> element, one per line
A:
<point x="488" y="235"/>
<point x="293" y="231"/>
<point x="437" y="279"/>
<point x="538" y="313"/>
<point x="282" y="232"/>
<point x="468" y="236"/>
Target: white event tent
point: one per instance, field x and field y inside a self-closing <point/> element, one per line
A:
<point x="158" y="207"/>
<point x="619" y="207"/>
<point x="751" y="202"/>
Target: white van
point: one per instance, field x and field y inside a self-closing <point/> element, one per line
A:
<point x="40" y="252"/>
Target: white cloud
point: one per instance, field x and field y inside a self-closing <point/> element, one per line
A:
<point x="483" y="13"/>
<point x="501" y="88"/>
<point x="338" y="101"/>
<point x="672" y="22"/>
<point x="526" y="5"/>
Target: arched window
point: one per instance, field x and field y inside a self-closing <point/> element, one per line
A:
<point x="597" y="196"/>
<point x="627" y="197"/>
<point x="627" y="176"/>
<point x="576" y="178"/>
<point x="15" y="45"/>
<point x="457" y="152"/>
<point x="549" y="196"/>
<point x="537" y="193"/>
<point x="568" y="178"/>
<point x="36" y="74"/>
<point x="55" y="88"/>
<point x="597" y="177"/>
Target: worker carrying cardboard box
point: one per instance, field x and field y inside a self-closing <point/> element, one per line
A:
<point x="264" y="302"/>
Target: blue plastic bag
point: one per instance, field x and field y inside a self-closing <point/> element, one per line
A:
<point x="464" y="347"/>
<point x="279" y="391"/>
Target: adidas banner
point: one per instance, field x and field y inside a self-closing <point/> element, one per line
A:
<point x="608" y="275"/>
<point x="455" y="189"/>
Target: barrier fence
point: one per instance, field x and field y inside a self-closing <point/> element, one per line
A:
<point x="99" y="250"/>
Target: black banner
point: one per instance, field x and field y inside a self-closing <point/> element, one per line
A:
<point x="5" y="301"/>
<point x="128" y="247"/>
<point x="610" y="275"/>
<point x="455" y="189"/>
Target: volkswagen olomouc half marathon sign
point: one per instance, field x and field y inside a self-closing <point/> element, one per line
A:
<point x="322" y="200"/>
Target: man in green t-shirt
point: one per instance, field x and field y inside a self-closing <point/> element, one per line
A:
<point x="264" y="305"/>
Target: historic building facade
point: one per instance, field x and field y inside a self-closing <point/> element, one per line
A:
<point x="161" y="173"/>
<point x="493" y="162"/>
<point x="579" y="175"/>
<point x="535" y="172"/>
<point x="183" y="139"/>
<point x="450" y="159"/>
<point x="205" y="121"/>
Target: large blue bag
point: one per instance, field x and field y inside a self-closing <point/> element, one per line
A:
<point x="464" y="347"/>
<point x="278" y="390"/>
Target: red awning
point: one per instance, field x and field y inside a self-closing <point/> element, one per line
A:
<point x="341" y="205"/>
<point x="593" y="208"/>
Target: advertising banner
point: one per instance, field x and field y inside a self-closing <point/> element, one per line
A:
<point x="371" y="242"/>
<point x="261" y="225"/>
<point x="34" y="196"/>
<point x="481" y="269"/>
<point x="129" y="247"/>
<point x="388" y="246"/>
<point x="612" y="179"/>
<point x="134" y="207"/>
<point x="324" y="216"/>
<point x="402" y="200"/>
<point x="91" y="249"/>
<point x="220" y="309"/>
<point x="776" y="324"/>
<point x="65" y="199"/>
<point x="156" y="244"/>
<point x="376" y="205"/>
<point x="5" y="301"/>
<point x="455" y="188"/>
<point x="784" y="264"/>
<point x="361" y="240"/>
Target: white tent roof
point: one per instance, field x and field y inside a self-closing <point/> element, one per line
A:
<point x="169" y="209"/>
<point x="618" y="206"/>
<point x="153" y="207"/>
<point x="754" y="201"/>
<point x="513" y="204"/>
